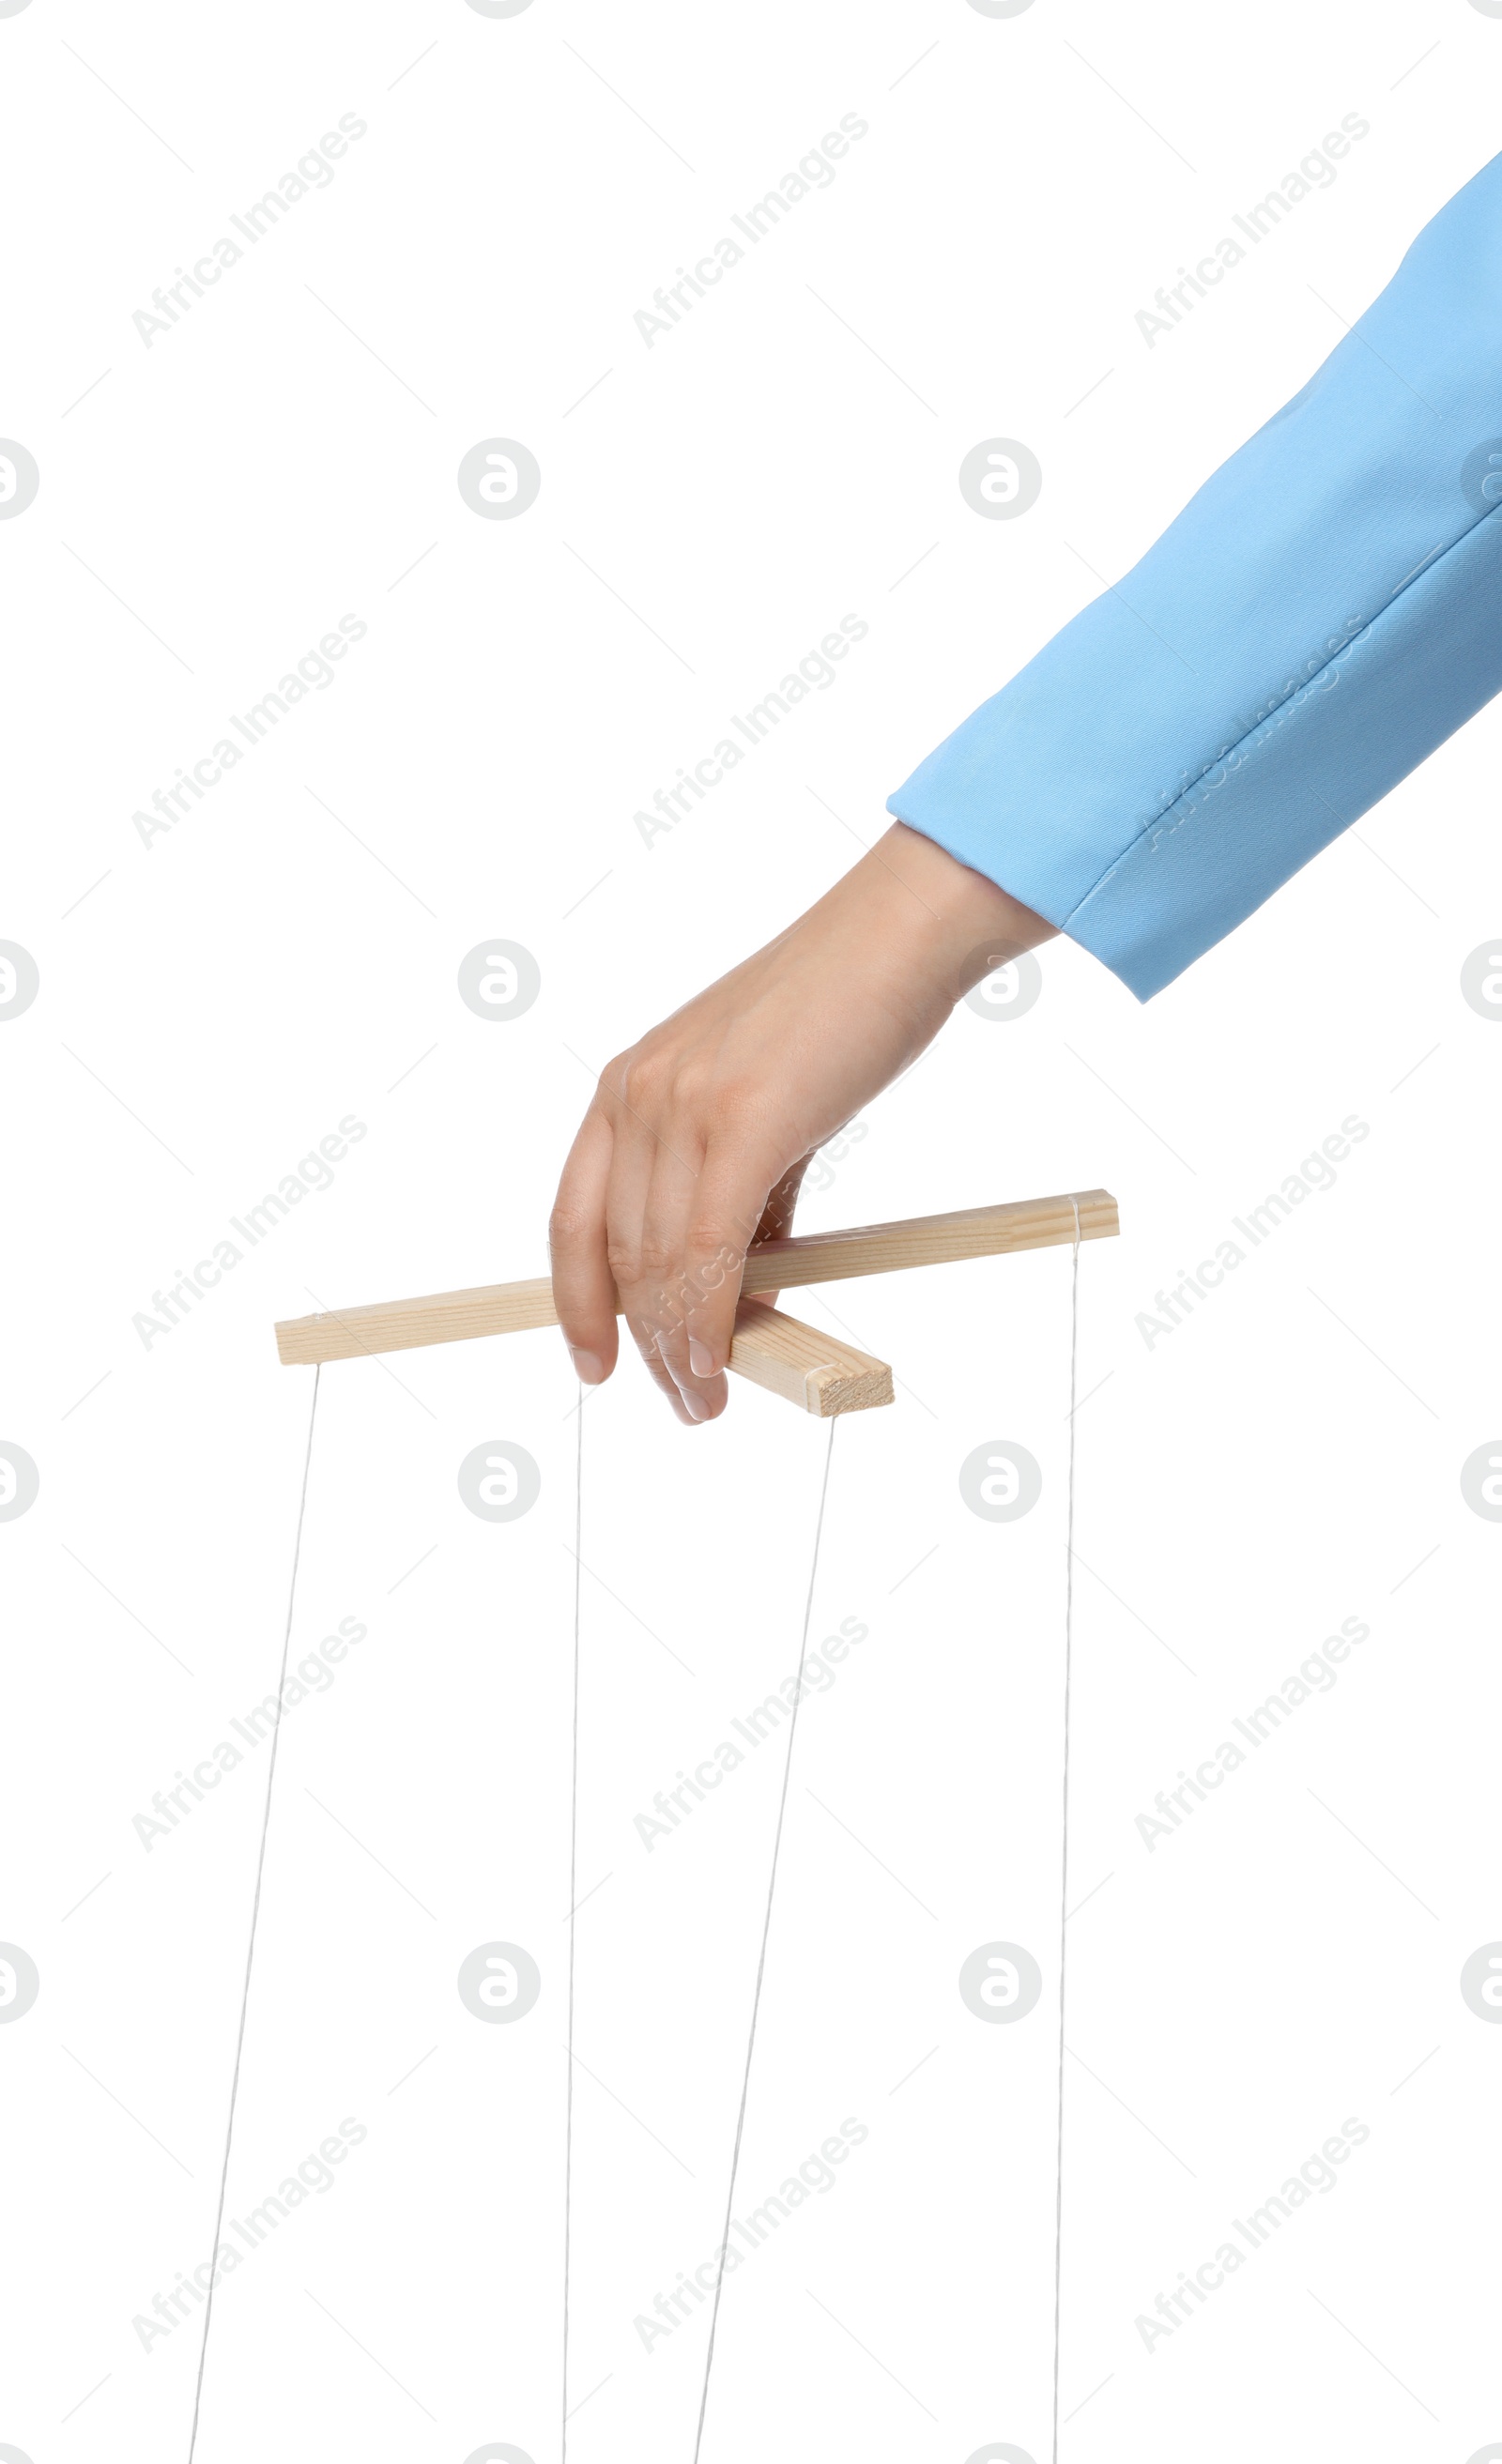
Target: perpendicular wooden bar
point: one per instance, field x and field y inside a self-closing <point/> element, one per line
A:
<point x="774" y="1266"/>
<point x="817" y="1372"/>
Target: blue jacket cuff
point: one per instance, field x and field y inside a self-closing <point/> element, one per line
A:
<point x="1324" y="612"/>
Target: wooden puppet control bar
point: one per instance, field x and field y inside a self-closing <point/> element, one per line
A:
<point x="816" y="1370"/>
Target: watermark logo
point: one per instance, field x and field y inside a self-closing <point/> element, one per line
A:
<point x="1481" y="1987"/>
<point x="1000" y="8"/>
<point x="499" y="1982"/>
<point x="1001" y="1982"/>
<point x="1001" y="1481"/>
<point x="19" y="1982"/>
<point x="1316" y="1173"/>
<point x="19" y="1481"/>
<point x="1318" y="1673"/>
<point x="1481" y="475"/>
<point x="999" y="477"/>
<point x="816" y="673"/>
<point x="500" y="2454"/>
<point x="498" y="477"/>
<point x="1317" y="169"/>
<point x="817" y="1671"/>
<point x="314" y="673"/>
<point x="500" y="9"/>
<point x="500" y="979"/>
<point x="1317" y="2177"/>
<point x="315" y="1172"/>
<point x="671" y="302"/>
<point x="314" y="1674"/>
<point x="19" y="476"/>
<point x="1481" y="1481"/>
<point x="815" y="2178"/>
<point x="314" y="2178"/>
<point x="1008" y="990"/>
<point x="1481" y="979"/>
<point x="499" y="1481"/>
<point x="170" y="301"/>
<point x="20" y="981"/>
<point x="1000" y="2455"/>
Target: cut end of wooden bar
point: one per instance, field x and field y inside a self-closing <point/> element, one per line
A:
<point x="815" y="1371"/>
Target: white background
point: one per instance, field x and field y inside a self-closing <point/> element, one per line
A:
<point x="212" y="1004"/>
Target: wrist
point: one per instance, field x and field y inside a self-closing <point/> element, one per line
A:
<point x="963" y="925"/>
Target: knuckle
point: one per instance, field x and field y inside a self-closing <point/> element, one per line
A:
<point x="610" y="1076"/>
<point x="694" y="1088"/>
<point x="718" y="1245"/>
<point x="624" y="1259"/>
<point x="739" y="1104"/>
<point x="568" y="1225"/>
<point x="641" y="1081"/>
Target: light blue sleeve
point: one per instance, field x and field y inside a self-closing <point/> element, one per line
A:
<point x="1323" y="613"/>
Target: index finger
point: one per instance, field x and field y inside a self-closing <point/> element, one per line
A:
<point x="584" y="1288"/>
<point x="737" y="1187"/>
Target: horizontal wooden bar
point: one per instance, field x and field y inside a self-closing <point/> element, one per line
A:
<point x="930" y="1240"/>
<point x="774" y="1266"/>
<point x="816" y="1370"/>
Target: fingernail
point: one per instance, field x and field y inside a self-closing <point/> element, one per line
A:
<point x="694" y="1405"/>
<point x="701" y="1360"/>
<point x="589" y="1366"/>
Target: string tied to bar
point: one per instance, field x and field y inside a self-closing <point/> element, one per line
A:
<point x="1064" y="1825"/>
<point x="766" y="1934"/>
<point x="573" y="1908"/>
<point x="256" y="1910"/>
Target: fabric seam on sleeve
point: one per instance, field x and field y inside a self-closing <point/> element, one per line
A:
<point x="1273" y="716"/>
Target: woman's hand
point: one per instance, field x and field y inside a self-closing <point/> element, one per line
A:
<point x="697" y="1137"/>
